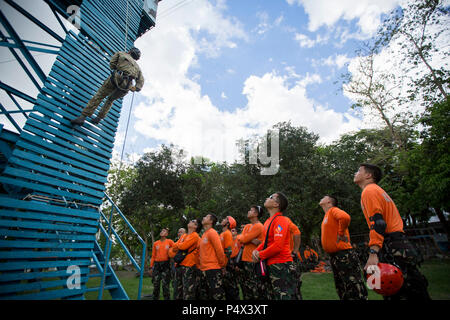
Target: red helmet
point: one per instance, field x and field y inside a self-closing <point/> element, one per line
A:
<point x="387" y="280"/>
<point x="232" y="222"/>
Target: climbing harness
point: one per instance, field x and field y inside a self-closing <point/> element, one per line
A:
<point x="121" y="80"/>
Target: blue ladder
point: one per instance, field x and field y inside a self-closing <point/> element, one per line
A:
<point x="54" y="178"/>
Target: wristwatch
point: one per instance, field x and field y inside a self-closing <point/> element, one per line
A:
<point x="373" y="251"/>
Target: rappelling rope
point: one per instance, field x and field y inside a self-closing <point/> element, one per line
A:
<point x="132" y="99"/>
<point x="126" y="28"/>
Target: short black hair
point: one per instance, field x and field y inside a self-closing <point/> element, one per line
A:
<point x="199" y="225"/>
<point x="374" y="170"/>
<point x="258" y="209"/>
<point x="213" y="218"/>
<point x="283" y="201"/>
<point x="334" y="200"/>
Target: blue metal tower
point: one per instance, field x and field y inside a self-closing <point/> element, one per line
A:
<point x="53" y="174"/>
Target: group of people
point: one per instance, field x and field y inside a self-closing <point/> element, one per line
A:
<point x="212" y="266"/>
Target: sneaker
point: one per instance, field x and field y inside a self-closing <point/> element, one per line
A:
<point x="78" y="121"/>
<point x="96" y="120"/>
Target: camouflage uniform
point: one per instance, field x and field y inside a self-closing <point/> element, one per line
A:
<point x="282" y="283"/>
<point x="252" y="287"/>
<point x="230" y="284"/>
<point x="298" y="277"/>
<point x="399" y="251"/>
<point x="191" y="279"/>
<point x="178" y="283"/>
<point x="212" y="285"/>
<point x="125" y="63"/>
<point x="347" y="273"/>
<point x="161" y="272"/>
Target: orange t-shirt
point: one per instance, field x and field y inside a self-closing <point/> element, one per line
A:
<point x="160" y="251"/>
<point x="174" y="249"/>
<point x="236" y="248"/>
<point x="211" y="255"/>
<point x="190" y="243"/>
<point x="308" y="253"/>
<point x="335" y="222"/>
<point x="294" y="230"/>
<point x="375" y="200"/>
<point x="250" y="232"/>
<point x="278" y="247"/>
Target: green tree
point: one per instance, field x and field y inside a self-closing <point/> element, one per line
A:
<point x="429" y="164"/>
<point x="154" y="199"/>
<point x="419" y="27"/>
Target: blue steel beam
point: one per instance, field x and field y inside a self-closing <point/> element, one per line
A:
<point x="11" y="119"/>
<point x="17" y="93"/>
<point x="30" y="48"/>
<point x="24" y="67"/>
<point x="34" y="20"/>
<point x="9" y="28"/>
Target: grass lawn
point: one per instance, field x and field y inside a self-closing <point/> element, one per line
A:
<point x="316" y="286"/>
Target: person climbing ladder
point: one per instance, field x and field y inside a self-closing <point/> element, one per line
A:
<point x="124" y="69"/>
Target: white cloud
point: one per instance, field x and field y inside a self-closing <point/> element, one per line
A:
<point x="305" y="42"/>
<point x="336" y="60"/>
<point x="265" y="24"/>
<point x="174" y="110"/>
<point x="223" y="95"/>
<point x="391" y="67"/>
<point x="328" y="13"/>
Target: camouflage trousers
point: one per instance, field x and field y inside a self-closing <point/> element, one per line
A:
<point x="348" y="279"/>
<point x="161" y="273"/>
<point x="252" y="287"/>
<point x="178" y="283"/>
<point x="211" y="285"/>
<point x="398" y="250"/>
<point x="282" y="284"/>
<point x="298" y="278"/>
<point x="190" y="283"/>
<point x="230" y="284"/>
<point x="108" y="91"/>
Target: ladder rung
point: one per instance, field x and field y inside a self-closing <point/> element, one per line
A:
<point x="96" y="275"/>
<point x="110" y="287"/>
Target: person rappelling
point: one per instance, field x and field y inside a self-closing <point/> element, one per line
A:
<point x="124" y="70"/>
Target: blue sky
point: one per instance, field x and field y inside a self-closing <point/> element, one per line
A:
<point x="220" y="70"/>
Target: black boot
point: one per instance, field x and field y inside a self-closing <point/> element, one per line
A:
<point x="96" y="120"/>
<point x="78" y="121"/>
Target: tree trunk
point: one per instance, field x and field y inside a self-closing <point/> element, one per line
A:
<point x="444" y="221"/>
<point x="432" y="71"/>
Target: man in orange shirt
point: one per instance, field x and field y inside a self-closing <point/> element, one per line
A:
<point x="229" y="280"/>
<point x="177" y="274"/>
<point x="281" y="269"/>
<point x="252" y="236"/>
<point x="387" y="240"/>
<point x="160" y="265"/>
<point x="344" y="260"/>
<point x="294" y="245"/>
<point x="211" y="260"/>
<point x="190" y="274"/>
